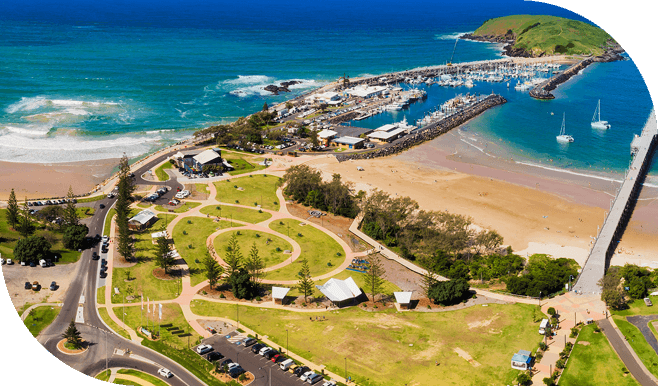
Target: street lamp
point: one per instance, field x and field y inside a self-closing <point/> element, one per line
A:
<point x="287" y="352"/>
<point x="539" y="298"/>
<point x="345" y="369"/>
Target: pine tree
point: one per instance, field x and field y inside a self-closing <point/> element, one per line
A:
<point x="305" y="284"/>
<point x="255" y="264"/>
<point x="25" y="225"/>
<point x="13" y="211"/>
<point x="265" y="107"/>
<point x="213" y="270"/>
<point x="374" y="280"/>
<point x="70" y="213"/>
<point x="72" y="336"/>
<point x="233" y="256"/>
<point x="163" y="253"/>
<point x="122" y="206"/>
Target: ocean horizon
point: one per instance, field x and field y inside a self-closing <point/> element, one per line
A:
<point x="94" y="81"/>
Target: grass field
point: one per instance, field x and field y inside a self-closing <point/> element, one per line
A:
<point x="240" y="214"/>
<point x="106" y="318"/>
<point x="635" y="338"/>
<point x="637" y="307"/>
<point x="243" y="162"/>
<point x="40" y="318"/>
<point x="390" y="348"/>
<point x="173" y="327"/>
<point x="142" y="279"/>
<point x="198" y="229"/>
<point x="183" y="208"/>
<point x="258" y="190"/>
<point x="266" y="250"/>
<point x="108" y="220"/>
<point x="100" y="295"/>
<point x="317" y="247"/>
<point x="160" y="171"/>
<point x="91" y="199"/>
<point x="104" y="376"/>
<point x="202" y="188"/>
<point x="359" y="278"/>
<point x="147" y="377"/>
<point x="84" y="212"/>
<point x="9" y="238"/>
<point x="594" y="364"/>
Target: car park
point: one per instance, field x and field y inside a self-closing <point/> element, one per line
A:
<point x="203" y="348"/>
<point x="165" y="373"/>
<point x="314" y="378"/>
<point x="214" y="356"/>
<point x="305" y="376"/>
<point x="257" y="347"/>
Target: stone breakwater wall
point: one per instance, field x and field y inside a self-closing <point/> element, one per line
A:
<point x="543" y="90"/>
<point x="430" y="131"/>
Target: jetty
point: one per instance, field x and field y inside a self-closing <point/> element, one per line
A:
<point x="543" y="90"/>
<point x="621" y="210"/>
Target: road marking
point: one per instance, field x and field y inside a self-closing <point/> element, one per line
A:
<point x="79" y="318"/>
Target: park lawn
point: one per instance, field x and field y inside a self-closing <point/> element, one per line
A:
<point x="594" y="364"/>
<point x="639" y="344"/>
<point x="252" y="216"/>
<point x="108" y="221"/>
<point x="91" y="199"/>
<point x="100" y="295"/>
<point x="40" y="318"/>
<point x="198" y="229"/>
<point x="202" y="188"/>
<point x="318" y="248"/>
<point x="142" y="279"/>
<point x="266" y="251"/>
<point x="144" y="205"/>
<point x="147" y="377"/>
<point x="243" y="163"/>
<point x="119" y="381"/>
<point x="173" y="328"/>
<point x="160" y="171"/>
<point x="259" y="189"/>
<point x="183" y="208"/>
<point x="115" y="327"/>
<point x="359" y="278"/>
<point x="637" y="307"/>
<point x="391" y="348"/>
<point x="104" y="375"/>
<point x="84" y="212"/>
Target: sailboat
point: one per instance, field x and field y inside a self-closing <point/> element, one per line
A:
<point x="597" y="123"/>
<point x="564" y="137"/>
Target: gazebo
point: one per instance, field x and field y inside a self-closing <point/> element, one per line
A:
<point x="403" y="299"/>
<point x="278" y="294"/>
<point x="338" y="290"/>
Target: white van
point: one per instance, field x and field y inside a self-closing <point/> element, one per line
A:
<point x="285" y="365"/>
<point x="43" y="263"/>
<point x="543" y="325"/>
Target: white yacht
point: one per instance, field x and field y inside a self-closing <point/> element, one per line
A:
<point x="597" y="123"/>
<point x="564" y="137"/>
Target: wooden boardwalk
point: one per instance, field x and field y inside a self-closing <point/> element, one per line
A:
<point x="620" y="211"/>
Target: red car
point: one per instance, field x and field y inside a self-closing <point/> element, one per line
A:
<point x="276" y="358"/>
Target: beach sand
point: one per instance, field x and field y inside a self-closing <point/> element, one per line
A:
<point x="52" y="180"/>
<point x="536" y="210"/>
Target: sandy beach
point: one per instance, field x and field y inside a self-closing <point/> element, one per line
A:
<point x="52" y="180"/>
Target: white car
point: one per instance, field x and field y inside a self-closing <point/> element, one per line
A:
<point x="165" y="373"/>
<point x="264" y="350"/>
<point x="203" y="348"/>
<point x="330" y="382"/>
<point x="305" y="376"/>
<point x="10" y="262"/>
<point x="2" y="261"/>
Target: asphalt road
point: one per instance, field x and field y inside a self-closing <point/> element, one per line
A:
<point x="624" y="353"/>
<point x="102" y="342"/>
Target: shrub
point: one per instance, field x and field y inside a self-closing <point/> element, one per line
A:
<point x="235" y="186"/>
<point x="551" y="311"/>
<point x="281" y="223"/>
<point x="184" y="232"/>
<point x="238" y="233"/>
<point x="255" y="204"/>
<point x="257" y="235"/>
<point x="548" y="381"/>
<point x="237" y="201"/>
<point x="597" y="328"/>
<point x="189" y="221"/>
<point x="260" y="211"/>
<point x="339" y="254"/>
<point x="222" y="296"/>
<point x="278" y="249"/>
<point x="300" y="234"/>
<point x="543" y="346"/>
<point x="560" y="363"/>
<point x="523" y="379"/>
<point x="574" y="332"/>
<point x="189" y="246"/>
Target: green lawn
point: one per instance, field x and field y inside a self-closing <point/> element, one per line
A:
<point x="202" y="188"/>
<point x="40" y="318"/>
<point x="638" y="343"/>
<point x="9" y="238"/>
<point x="160" y="171"/>
<point x="240" y="214"/>
<point x="320" y="250"/>
<point x="106" y="318"/>
<point x="266" y="250"/>
<point x="119" y="381"/>
<point x="359" y="278"/>
<point x="91" y="199"/>
<point x="108" y="220"/>
<point x="258" y="190"/>
<point x="391" y="348"/>
<point x="100" y="295"/>
<point x="142" y="280"/>
<point x="147" y="377"/>
<point x="594" y="364"/>
<point x="104" y="376"/>
<point x="243" y="163"/>
<point x="183" y="208"/>
<point x="173" y="327"/>
<point x="84" y="212"/>
<point x="637" y="307"/>
<point x="198" y="229"/>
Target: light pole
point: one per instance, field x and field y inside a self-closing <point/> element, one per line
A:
<point x="540" y="299"/>
<point x="237" y="313"/>
<point x="287" y="351"/>
<point x="345" y="369"/>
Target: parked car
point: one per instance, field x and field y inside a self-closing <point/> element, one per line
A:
<point x="103" y="274"/>
<point x="10" y="262"/>
<point x="165" y="373"/>
<point x="305" y="376"/>
<point x="314" y="378"/>
<point x="249" y="341"/>
<point x="330" y="382"/>
<point x="204" y="348"/>
<point x="285" y="365"/>
<point x="28" y="285"/>
<point x="214" y="356"/>
<point x="270" y="354"/>
<point x="235" y="371"/>
<point x="276" y="357"/>
<point x="53" y="286"/>
<point x="299" y="371"/>
<point x="33" y="264"/>
<point x="257" y="347"/>
<point x="264" y="350"/>
<point x="35" y="285"/>
<point x="226" y="362"/>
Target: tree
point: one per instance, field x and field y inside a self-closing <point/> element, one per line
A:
<point x="613" y="298"/>
<point x="72" y="336"/>
<point x="524" y="379"/>
<point x="74" y="236"/>
<point x="313" y="136"/>
<point x="255" y="264"/>
<point x="13" y="211"/>
<point x="163" y="255"/>
<point x="305" y="284"/>
<point x="25" y="226"/>
<point x="449" y="292"/>
<point x="241" y="284"/>
<point x="122" y="206"/>
<point x="70" y="212"/>
<point x="265" y="107"/>
<point x="374" y="279"/>
<point x="213" y="270"/>
<point x="233" y="256"/>
<point x="32" y="249"/>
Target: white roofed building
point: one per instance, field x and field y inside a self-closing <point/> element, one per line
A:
<point x="338" y="290"/>
<point x="279" y="293"/>
<point x="325" y="136"/>
<point x="142" y="220"/>
<point x="366" y="92"/>
<point x="349" y="142"/>
<point x="403" y="299"/>
<point x="387" y="133"/>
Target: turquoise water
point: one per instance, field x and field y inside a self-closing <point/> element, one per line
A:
<point x="86" y="80"/>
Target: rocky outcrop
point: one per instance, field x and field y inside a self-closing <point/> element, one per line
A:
<point x="282" y="87"/>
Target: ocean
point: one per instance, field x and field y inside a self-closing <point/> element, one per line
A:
<point x="84" y="80"/>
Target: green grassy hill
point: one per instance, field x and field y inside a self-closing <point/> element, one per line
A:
<point x="536" y="35"/>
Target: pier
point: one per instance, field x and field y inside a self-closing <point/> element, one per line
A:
<point x="543" y="90"/>
<point x="620" y="211"/>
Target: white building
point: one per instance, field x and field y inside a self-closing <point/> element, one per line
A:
<point x="366" y="92"/>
